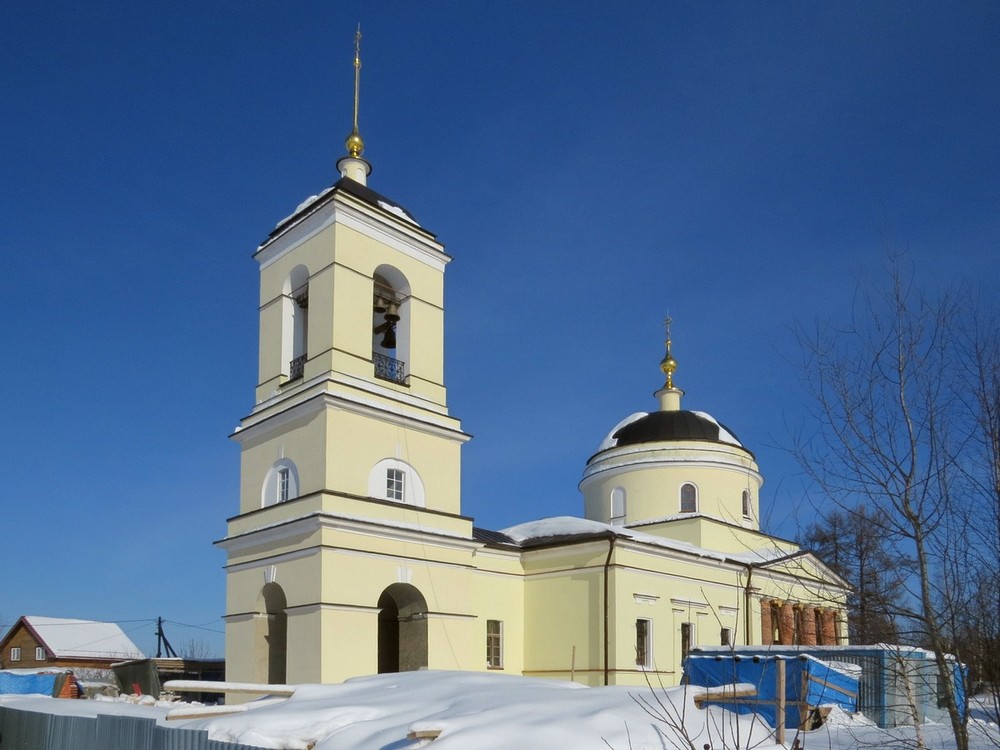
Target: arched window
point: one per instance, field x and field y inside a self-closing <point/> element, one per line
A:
<point x="618" y="507"/>
<point x="390" y="324"/>
<point x="689" y="498"/>
<point x="746" y="504"/>
<point x="295" y="323"/>
<point x="395" y="480"/>
<point x="280" y="484"/>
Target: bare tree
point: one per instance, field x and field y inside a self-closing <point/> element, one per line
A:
<point x="979" y="632"/>
<point x="852" y="545"/>
<point x="197" y="649"/>
<point x="889" y="445"/>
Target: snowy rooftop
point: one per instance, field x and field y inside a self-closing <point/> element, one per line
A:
<point x="349" y="186"/>
<point x="563" y="527"/>
<point x="74" y="639"/>
<point x="667" y="426"/>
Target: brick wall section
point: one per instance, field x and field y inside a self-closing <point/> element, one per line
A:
<point x="808" y="630"/>
<point x="766" y="624"/>
<point x="828" y="621"/>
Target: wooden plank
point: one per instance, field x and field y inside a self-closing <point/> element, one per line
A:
<point x="202" y="712"/>
<point x="423" y="734"/>
<point x="726" y="696"/>
<point x="207" y="686"/>
<point x="830" y="685"/>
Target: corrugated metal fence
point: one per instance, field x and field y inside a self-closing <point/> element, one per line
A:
<point x="32" y="730"/>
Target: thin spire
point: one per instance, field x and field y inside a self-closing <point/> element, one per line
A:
<point x="668" y="364"/>
<point x="355" y="144"/>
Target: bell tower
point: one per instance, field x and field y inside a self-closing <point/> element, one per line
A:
<point x="350" y="427"/>
<point x="351" y="328"/>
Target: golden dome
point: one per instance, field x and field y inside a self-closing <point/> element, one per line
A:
<point x="669" y="366"/>
<point x="355" y="145"/>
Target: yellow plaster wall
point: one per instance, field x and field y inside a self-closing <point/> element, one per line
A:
<point x="358" y="442"/>
<point x="303" y="441"/>
<point x="720" y="474"/>
<point x="498" y="594"/>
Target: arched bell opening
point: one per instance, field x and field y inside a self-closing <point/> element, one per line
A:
<point x="295" y="323"/>
<point x="390" y="324"/>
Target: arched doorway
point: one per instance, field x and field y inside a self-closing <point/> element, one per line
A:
<point x="402" y="629"/>
<point x="274" y="632"/>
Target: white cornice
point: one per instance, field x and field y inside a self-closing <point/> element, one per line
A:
<point x="303" y="388"/>
<point x="271" y="535"/>
<point x="284" y="531"/>
<point x="609" y="467"/>
<point x="264" y="562"/>
<point x="689" y="603"/>
<point x="372" y="222"/>
<point x="259" y="426"/>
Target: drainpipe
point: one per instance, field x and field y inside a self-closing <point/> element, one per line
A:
<point x="747" y="598"/>
<point x="607" y="605"/>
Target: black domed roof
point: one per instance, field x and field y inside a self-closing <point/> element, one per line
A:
<point x="665" y="426"/>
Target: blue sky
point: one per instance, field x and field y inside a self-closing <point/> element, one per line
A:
<point x="588" y="165"/>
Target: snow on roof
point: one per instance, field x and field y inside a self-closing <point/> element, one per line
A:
<point x="304" y="204"/>
<point x="725" y="435"/>
<point x="385" y="205"/>
<point x="570" y="526"/>
<point x="74" y="639"/>
<point x="610" y="441"/>
<point x="397" y="211"/>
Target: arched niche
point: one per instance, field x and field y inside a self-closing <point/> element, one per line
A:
<point x="402" y="629"/>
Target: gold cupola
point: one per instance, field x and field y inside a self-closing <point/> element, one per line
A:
<point x="669" y="395"/>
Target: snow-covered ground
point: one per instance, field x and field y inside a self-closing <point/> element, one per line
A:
<point x="477" y="711"/>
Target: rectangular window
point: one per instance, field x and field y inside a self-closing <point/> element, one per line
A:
<point x="643" y="643"/>
<point x="394" y="485"/>
<point x="686" y="631"/>
<point x="494" y="644"/>
<point x="15" y="653"/>
<point x="942" y="691"/>
<point x="726" y="639"/>
<point x="39" y="653"/>
<point x="283" y="485"/>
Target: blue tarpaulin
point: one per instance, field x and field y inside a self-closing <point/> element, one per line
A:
<point x="809" y="683"/>
<point x="20" y="683"/>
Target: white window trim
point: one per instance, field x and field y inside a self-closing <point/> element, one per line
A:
<point x="648" y="663"/>
<point x="15" y="653"/>
<point x="284" y="483"/>
<point x="619" y="518"/>
<point x="395" y="484"/>
<point x="500" y="639"/>
<point x="680" y="497"/>
<point x="39" y="653"/>
<point x="693" y="640"/>
<point x="746" y="500"/>
<point x="413" y="486"/>
<point x="270" y="492"/>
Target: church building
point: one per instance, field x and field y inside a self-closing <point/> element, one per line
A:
<point x="350" y="555"/>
